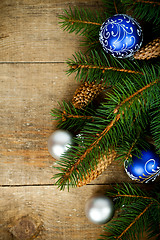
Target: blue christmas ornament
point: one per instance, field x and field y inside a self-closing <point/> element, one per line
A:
<point x="121" y="36"/>
<point x="145" y="168"/>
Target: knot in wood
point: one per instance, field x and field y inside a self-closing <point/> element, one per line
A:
<point x="25" y="228"/>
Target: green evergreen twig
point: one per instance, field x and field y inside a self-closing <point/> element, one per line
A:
<point x="70" y="118"/>
<point x="147" y="10"/>
<point x="81" y="21"/>
<point x="110" y="126"/>
<point x="98" y="65"/>
<point x="140" y="211"/>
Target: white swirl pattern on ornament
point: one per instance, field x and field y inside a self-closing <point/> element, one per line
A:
<point x="147" y="163"/>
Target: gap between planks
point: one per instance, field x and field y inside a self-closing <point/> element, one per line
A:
<point x="32" y="62"/>
<point x="52" y="185"/>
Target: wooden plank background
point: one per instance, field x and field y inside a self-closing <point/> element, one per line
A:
<point x="33" y="51"/>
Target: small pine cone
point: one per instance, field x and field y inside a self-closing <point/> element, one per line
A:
<point x="101" y="166"/>
<point x="151" y="50"/>
<point x="86" y="93"/>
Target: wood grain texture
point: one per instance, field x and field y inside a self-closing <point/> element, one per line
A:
<point x="59" y="215"/>
<point x="28" y="92"/>
<point x="29" y="30"/>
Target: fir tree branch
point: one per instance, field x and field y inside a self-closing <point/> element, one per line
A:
<point x="98" y="65"/>
<point x="140" y="212"/>
<point x="81" y="21"/>
<point x="117" y="126"/>
<point x="147" y="2"/>
<point x="93" y="42"/>
<point x="95" y="143"/>
<point x="65" y="116"/>
<point x="155" y="123"/>
<point x="144" y="10"/>
<point x="135" y="196"/>
<point x="68" y="117"/>
<point x="135" y="220"/>
<point x="113" y="6"/>
<point x="134" y="94"/>
<point x="131" y="148"/>
<point x="67" y="174"/>
<point x="104" y="68"/>
<point x="131" y="145"/>
<point x="84" y="22"/>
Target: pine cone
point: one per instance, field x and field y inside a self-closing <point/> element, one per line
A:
<point x="151" y="50"/>
<point x="86" y="93"/>
<point x="102" y="165"/>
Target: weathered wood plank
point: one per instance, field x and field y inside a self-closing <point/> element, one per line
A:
<point x="28" y="92"/>
<point x="58" y="215"/>
<point x="45" y="212"/>
<point x="29" y="30"/>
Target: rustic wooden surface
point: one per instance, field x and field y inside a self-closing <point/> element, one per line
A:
<point x="33" y="50"/>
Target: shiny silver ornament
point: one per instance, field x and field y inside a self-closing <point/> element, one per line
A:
<point x="99" y="209"/>
<point x="59" y="142"/>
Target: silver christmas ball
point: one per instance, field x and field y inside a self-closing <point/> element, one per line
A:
<point x="59" y="142"/>
<point x="99" y="209"/>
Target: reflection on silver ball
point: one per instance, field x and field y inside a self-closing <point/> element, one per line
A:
<point x="59" y="142"/>
<point x="99" y="209"/>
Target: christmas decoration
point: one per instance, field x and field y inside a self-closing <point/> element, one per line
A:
<point x="121" y="36"/>
<point x="144" y="168"/>
<point x="151" y="50"/>
<point x="58" y="143"/>
<point x="85" y="93"/>
<point x="99" y="209"/>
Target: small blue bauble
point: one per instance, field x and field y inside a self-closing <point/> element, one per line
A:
<point x="145" y="168"/>
<point x="121" y="36"/>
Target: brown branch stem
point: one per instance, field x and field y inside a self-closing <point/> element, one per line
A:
<point x="129" y="152"/>
<point x="150" y="2"/>
<point x="65" y="115"/>
<point x="85" y="22"/>
<point x="135" y="196"/>
<point x="105" y="68"/>
<point x="95" y="42"/>
<point x="115" y="7"/>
